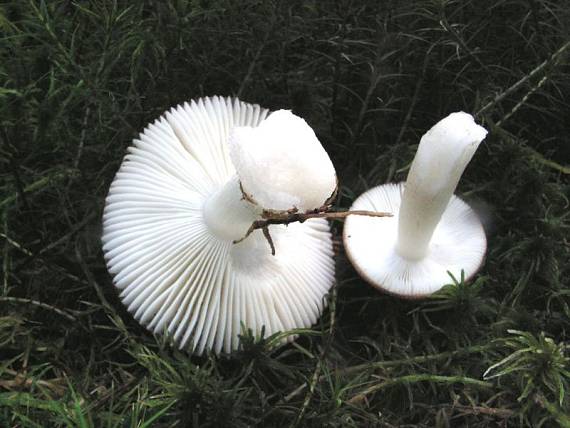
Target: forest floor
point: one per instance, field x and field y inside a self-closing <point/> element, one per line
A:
<point x="79" y="80"/>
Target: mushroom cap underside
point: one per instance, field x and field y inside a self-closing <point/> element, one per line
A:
<point x="458" y="243"/>
<point x="176" y="276"/>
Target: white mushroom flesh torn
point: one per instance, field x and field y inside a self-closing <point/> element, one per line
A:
<point x="281" y="163"/>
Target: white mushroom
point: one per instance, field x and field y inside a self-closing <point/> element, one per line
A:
<point x="176" y="207"/>
<point x="432" y="231"/>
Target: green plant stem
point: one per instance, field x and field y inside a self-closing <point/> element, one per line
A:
<point x="384" y="364"/>
<point x="20" y="300"/>
<point x="39" y="185"/>
<point x="419" y="378"/>
<point x="553" y="59"/>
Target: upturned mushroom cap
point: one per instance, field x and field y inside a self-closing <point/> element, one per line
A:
<point x="458" y="243"/>
<point x="276" y="161"/>
<point x="432" y="232"/>
<point x="169" y="222"/>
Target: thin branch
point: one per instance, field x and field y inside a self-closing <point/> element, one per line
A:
<point x="20" y="380"/>
<point x="115" y="318"/>
<point x="553" y="59"/>
<point x="384" y="364"/>
<point x="523" y="101"/>
<point x="316" y="377"/>
<point x="38" y="185"/>
<point x="308" y="397"/>
<point x="538" y="157"/>
<point x="415" y="97"/>
<point x="287" y="217"/>
<point x="548" y="162"/>
<point x="415" y="378"/>
<point x="250" y="69"/>
<point x="481" y="410"/>
<point x="265" y="230"/>
<point x="69" y="234"/>
<point x="81" y="144"/>
<point x="19" y="186"/>
<point x="449" y="28"/>
<point x="16" y="244"/>
<point x="38" y="304"/>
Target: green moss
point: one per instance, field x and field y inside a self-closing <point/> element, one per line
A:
<point x="79" y="80"/>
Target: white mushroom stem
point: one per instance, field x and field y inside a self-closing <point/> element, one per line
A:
<point x="227" y="214"/>
<point x="443" y="153"/>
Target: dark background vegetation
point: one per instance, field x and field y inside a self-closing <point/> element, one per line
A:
<point x="80" y="79"/>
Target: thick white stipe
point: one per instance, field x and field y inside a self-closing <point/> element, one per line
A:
<point x="228" y="214"/>
<point x="443" y="153"/>
<point x="432" y="232"/>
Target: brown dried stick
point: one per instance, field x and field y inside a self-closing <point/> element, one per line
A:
<point x="272" y="217"/>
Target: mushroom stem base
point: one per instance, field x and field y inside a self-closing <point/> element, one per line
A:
<point x="227" y="214"/>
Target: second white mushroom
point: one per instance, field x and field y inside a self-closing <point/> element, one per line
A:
<point x="432" y="231"/>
